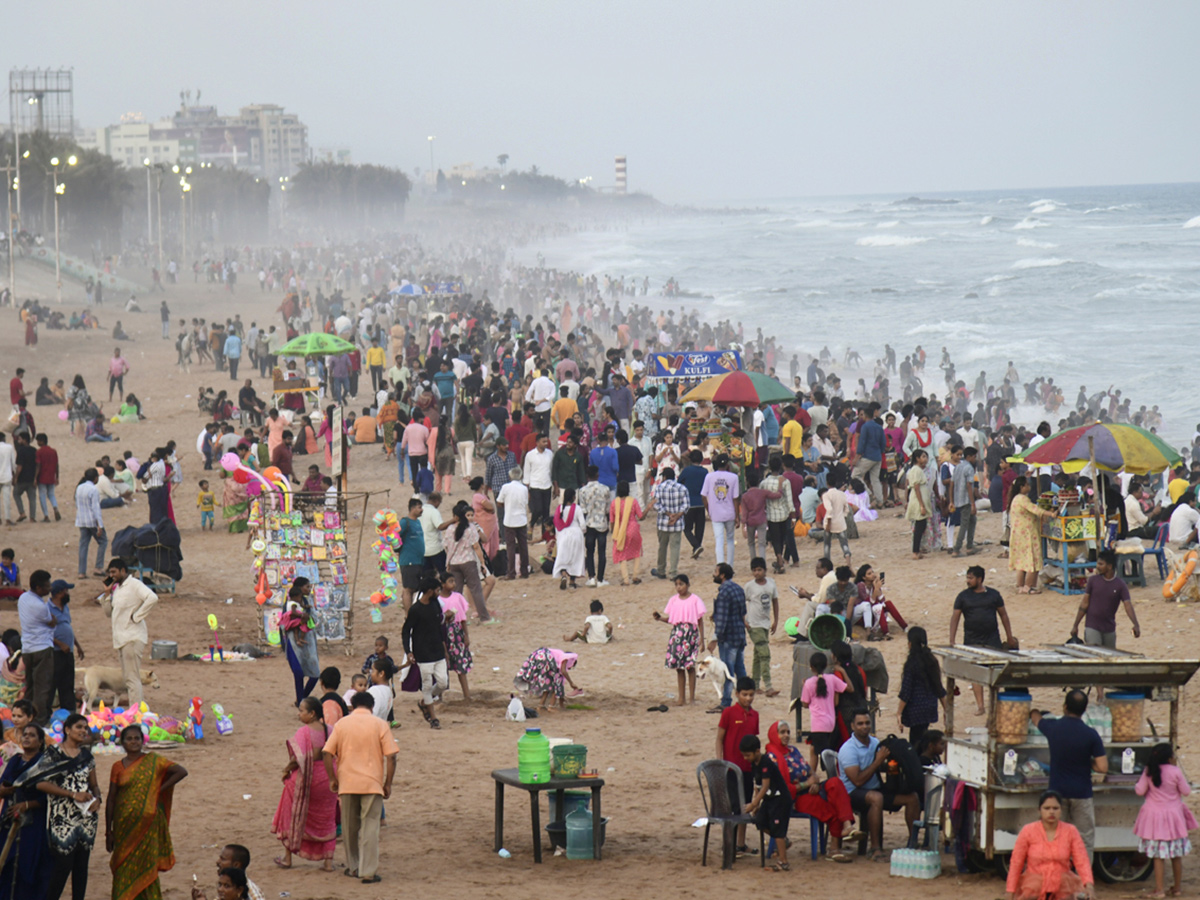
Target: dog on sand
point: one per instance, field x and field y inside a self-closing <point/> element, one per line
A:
<point x="107" y="678"/>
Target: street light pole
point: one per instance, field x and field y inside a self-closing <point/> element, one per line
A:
<point x="8" y="190"/>
<point x="432" y="169"/>
<point x="59" y="190"/>
<point x="159" y="190"/>
<point x="149" y="214"/>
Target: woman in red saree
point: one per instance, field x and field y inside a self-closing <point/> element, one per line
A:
<point x="306" y="819"/>
<point x="799" y="769"/>
<point x="137" y="818"/>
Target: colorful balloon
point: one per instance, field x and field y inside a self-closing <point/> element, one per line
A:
<point x="272" y="473"/>
<point x="62" y="414"/>
<point x="229" y="462"/>
<point x="241" y="476"/>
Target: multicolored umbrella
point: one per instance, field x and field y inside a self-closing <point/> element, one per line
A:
<point x="741" y="389"/>
<point x="316" y="344"/>
<point x="1117" y="448"/>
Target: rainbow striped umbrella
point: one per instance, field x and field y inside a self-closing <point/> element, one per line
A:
<point x="1117" y="447"/>
<point x="741" y="389"/>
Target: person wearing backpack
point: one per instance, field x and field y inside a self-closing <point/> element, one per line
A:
<point x="861" y="759"/>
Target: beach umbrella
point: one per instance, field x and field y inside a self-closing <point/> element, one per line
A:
<point x="1115" y="448"/>
<point x="741" y="389"/>
<point x="317" y="344"/>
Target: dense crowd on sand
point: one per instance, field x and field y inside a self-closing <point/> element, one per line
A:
<point x="517" y="405"/>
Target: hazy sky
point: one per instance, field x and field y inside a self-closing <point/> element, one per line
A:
<point x="710" y="101"/>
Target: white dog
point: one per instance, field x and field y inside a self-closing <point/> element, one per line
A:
<point x="715" y="671"/>
<point x="106" y="678"/>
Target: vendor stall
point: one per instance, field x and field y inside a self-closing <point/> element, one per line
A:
<point x="1007" y="760"/>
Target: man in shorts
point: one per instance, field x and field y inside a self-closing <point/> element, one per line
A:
<point x="1105" y="593"/>
<point x="861" y="759"/>
<point x="979" y="607"/>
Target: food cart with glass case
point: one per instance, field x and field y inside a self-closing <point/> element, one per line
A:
<point x="1007" y="759"/>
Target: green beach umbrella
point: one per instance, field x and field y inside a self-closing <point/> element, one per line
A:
<point x="319" y="344"/>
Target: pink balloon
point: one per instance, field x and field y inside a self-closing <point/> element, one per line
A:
<point x="229" y="462"/>
<point x="62" y="414"/>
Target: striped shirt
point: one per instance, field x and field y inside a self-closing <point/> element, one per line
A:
<point x="781" y="509"/>
<point x="87" y="506"/>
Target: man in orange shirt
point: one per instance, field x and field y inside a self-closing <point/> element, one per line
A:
<point x="366" y="764"/>
<point x="364" y="427"/>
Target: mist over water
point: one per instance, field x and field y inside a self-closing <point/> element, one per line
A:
<point x="1091" y="286"/>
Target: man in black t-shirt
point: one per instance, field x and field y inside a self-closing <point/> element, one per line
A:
<point x="979" y="607"/>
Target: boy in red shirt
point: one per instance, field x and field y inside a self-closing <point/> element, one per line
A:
<point x="738" y="720"/>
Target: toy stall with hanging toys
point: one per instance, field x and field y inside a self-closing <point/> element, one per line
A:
<point x="297" y="535"/>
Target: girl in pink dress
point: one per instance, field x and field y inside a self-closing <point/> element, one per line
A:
<point x="625" y="515"/>
<point x="685" y="614"/>
<point x="1163" y="823"/>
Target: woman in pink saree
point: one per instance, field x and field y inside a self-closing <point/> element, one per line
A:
<point x="306" y="819"/>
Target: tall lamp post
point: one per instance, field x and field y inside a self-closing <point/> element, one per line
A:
<point x="59" y="190"/>
<point x="10" y="186"/>
<point x="184" y="187"/>
<point x="149" y="212"/>
<point x="432" y="168"/>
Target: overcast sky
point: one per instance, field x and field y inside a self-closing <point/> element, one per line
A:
<point x="710" y="101"/>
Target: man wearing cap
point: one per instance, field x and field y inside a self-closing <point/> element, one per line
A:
<point x="37" y="644"/>
<point x="65" y="647"/>
<point x="128" y="602"/>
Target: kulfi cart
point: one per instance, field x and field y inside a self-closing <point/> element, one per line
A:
<point x="1007" y="760"/>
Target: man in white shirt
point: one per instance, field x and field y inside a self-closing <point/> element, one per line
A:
<point x="1183" y="521"/>
<point x="514" y="499"/>
<point x="128" y="602"/>
<point x="825" y="572"/>
<point x="432" y="525"/>
<point x="538" y="478"/>
<point x="8" y="466"/>
<point x="541" y="393"/>
<point x="1136" y="518"/>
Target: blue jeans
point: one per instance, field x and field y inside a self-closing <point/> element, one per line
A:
<point x="402" y="462"/>
<point x="733" y="658"/>
<point x="44" y="491"/>
<point x="85" y="538"/>
<point x="341" y="389"/>
<point x="723" y="535"/>
<point x="111" y="502"/>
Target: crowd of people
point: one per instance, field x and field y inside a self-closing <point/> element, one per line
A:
<point x="521" y="401"/>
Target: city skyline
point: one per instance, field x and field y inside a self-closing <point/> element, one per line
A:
<point x="780" y="100"/>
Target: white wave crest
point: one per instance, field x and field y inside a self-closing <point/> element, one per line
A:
<point x="1030" y="222"/>
<point x="987" y="220"/>
<point x="1030" y="242"/>
<point x="1041" y="263"/>
<point x="1046" y="201"/>
<point x="1045" y="208"/>
<point x="889" y="240"/>
<point x="891" y="224"/>
<point x="1192" y="223"/>
<point x="996" y="278"/>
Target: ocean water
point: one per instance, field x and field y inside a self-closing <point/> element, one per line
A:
<point x="1089" y="286"/>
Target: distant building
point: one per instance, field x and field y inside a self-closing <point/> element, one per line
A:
<point x="622" y="184"/>
<point x="261" y="138"/>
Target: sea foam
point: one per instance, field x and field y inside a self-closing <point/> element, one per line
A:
<point x="889" y="240"/>
<point x="1043" y="263"/>
<point x="1192" y="223"/>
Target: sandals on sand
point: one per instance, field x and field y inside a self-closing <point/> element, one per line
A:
<point x="780" y="866"/>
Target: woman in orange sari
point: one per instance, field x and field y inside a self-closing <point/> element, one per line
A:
<point x="137" y="817"/>
<point x="306" y="818"/>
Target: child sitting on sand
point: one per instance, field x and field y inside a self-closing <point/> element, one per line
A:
<point x="597" y="629"/>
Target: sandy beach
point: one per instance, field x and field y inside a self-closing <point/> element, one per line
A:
<point x="439" y="820"/>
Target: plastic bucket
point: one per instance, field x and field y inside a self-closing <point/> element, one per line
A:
<point x="568" y="760"/>
<point x="826" y="630"/>
<point x="572" y="800"/>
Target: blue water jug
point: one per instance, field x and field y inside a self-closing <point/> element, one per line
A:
<point x="579" y="835"/>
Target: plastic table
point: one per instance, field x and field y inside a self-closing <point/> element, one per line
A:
<point x="509" y="777"/>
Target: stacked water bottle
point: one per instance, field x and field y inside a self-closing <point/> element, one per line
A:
<point x="916" y="864"/>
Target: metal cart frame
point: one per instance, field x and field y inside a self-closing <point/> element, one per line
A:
<point x="1004" y="807"/>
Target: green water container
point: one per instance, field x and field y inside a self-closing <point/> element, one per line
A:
<point x="579" y="835"/>
<point x="533" y="757"/>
